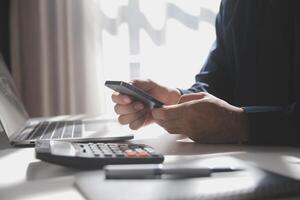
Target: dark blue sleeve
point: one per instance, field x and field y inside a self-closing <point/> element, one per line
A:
<point x="214" y="76"/>
<point x="274" y="125"/>
<point x="267" y="125"/>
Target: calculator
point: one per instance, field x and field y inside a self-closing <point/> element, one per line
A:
<point x="95" y="155"/>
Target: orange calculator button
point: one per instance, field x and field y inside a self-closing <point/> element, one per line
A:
<point x="142" y="154"/>
<point x="131" y="154"/>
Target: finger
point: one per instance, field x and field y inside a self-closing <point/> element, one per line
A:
<point x="120" y="98"/>
<point x="128" y="108"/>
<point x="166" y="113"/>
<point x="138" y="123"/>
<point x="129" y="118"/>
<point x="154" y="89"/>
<point x="171" y="126"/>
<point x="193" y="96"/>
<point x="145" y="85"/>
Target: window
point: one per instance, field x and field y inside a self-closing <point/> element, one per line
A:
<point x="167" y="41"/>
<point x="64" y="50"/>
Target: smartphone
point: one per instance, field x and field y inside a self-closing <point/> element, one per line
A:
<point x="134" y="92"/>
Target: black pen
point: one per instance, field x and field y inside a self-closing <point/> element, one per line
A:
<point x="152" y="170"/>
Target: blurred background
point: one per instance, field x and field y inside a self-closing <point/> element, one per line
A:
<point x="62" y="51"/>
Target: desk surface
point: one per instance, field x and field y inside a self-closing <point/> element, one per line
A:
<point x="24" y="177"/>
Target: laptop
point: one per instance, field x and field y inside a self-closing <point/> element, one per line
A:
<point x="19" y="130"/>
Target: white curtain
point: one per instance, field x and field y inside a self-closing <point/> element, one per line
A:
<point x="63" y="50"/>
<point x="56" y="56"/>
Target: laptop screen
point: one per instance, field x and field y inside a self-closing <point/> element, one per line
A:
<point x="12" y="113"/>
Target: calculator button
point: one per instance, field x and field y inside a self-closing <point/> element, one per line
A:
<point x="111" y="145"/>
<point x="121" y="155"/>
<point x="97" y="151"/>
<point x="106" y="150"/>
<point x="115" y="150"/>
<point x="151" y="152"/>
<point x="139" y="150"/>
<point x="101" y="146"/>
<point x="131" y="154"/>
<point x="143" y="154"/>
<point x="108" y="154"/>
<point x="123" y="147"/>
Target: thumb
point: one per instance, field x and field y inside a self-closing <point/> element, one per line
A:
<point x="193" y="96"/>
<point x="167" y="112"/>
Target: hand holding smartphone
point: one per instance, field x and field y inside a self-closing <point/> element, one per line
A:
<point x="134" y="92"/>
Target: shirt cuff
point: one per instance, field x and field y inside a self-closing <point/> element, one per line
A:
<point x="266" y="125"/>
<point x="184" y="91"/>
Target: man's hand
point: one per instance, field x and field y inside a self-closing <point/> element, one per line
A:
<point x="204" y="118"/>
<point x="135" y="113"/>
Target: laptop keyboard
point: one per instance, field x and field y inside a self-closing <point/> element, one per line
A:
<point x="56" y="130"/>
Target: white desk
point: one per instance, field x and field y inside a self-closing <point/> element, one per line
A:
<point x="24" y="177"/>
